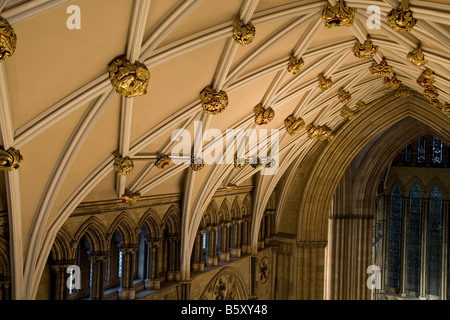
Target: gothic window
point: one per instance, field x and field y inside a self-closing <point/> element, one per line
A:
<point x="437" y="151"/>
<point x="414" y="239"/>
<point x="395" y="234"/>
<point x="421" y="150"/>
<point x="120" y="264"/>
<point x="434" y="243"/>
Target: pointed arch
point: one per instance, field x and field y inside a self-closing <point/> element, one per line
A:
<point x="415" y="181"/>
<point x="211" y="216"/>
<point x="172" y="220"/>
<point x="224" y="212"/>
<point x="126" y="228"/>
<point x="395" y="180"/>
<point x="95" y="232"/>
<point x="272" y="203"/>
<point x="152" y="223"/>
<point x="247" y="205"/>
<point x="430" y="186"/>
<point x="62" y="249"/>
<point x="236" y="209"/>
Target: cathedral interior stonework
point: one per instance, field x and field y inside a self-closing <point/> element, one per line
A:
<point x="224" y="150"/>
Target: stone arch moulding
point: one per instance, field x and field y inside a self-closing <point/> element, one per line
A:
<point x="348" y="142"/>
<point x="379" y="157"/>
<point x="412" y="182"/>
<point x="436" y="182"/>
<point x="227" y="284"/>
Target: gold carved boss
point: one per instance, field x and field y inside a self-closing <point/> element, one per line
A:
<point x="391" y="82"/>
<point x="322" y="133"/>
<point x="243" y="33"/>
<point x="324" y="83"/>
<point x="8" y="40"/>
<point x="123" y="165"/>
<point x="213" y="102"/>
<point x="364" y="50"/>
<point x="416" y="56"/>
<point x="381" y="69"/>
<point x="263" y="116"/>
<point x="337" y="15"/>
<point x="294" y="125"/>
<point x="129" y="79"/>
<point x="10" y="159"/>
<point x="295" y="64"/>
<point x="401" y="19"/>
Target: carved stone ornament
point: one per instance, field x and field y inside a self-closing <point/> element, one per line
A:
<point x="360" y="105"/>
<point x="426" y="78"/>
<point x="10" y="159"/>
<point x="8" y="40"/>
<point x="416" y="56"/>
<point x="294" y="125"/>
<point x="381" y="69"/>
<point x="431" y="93"/>
<point x="364" y="50"/>
<point x="123" y="165"/>
<point x="197" y="163"/>
<point x="213" y="102"/>
<point x="337" y="15"/>
<point x="401" y="19"/>
<point x="130" y="198"/>
<point x="231" y="187"/>
<point x="239" y="163"/>
<point x="446" y="109"/>
<point x="344" y="96"/>
<point x="162" y="162"/>
<point x="322" y="133"/>
<point x="243" y="33"/>
<point x="403" y="91"/>
<point x="263" y="116"/>
<point x="129" y="79"/>
<point x="264" y="270"/>
<point x="295" y="64"/>
<point x="392" y="82"/>
<point x="347" y="113"/>
<point x="324" y="83"/>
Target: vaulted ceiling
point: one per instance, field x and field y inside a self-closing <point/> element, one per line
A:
<point x="59" y="108"/>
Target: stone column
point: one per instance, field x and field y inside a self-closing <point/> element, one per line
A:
<point x="423" y="250"/>
<point x="198" y="264"/>
<point x="184" y="290"/>
<point x="60" y="277"/>
<point x="212" y="259"/>
<point x="444" y="248"/>
<point x="127" y="290"/>
<point x="404" y="246"/>
<point x="349" y="256"/>
<point x="98" y="262"/>
<point x="153" y="275"/>
<point x="224" y="254"/>
<point x="236" y="249"/>
<point x="262" y="232"/>
<point x="310" y="270"/>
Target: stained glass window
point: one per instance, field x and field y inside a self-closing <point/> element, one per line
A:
<point x="395" y="234"/>
<point x="434" y="243"/>
<point x="414" y="238"/>
<point x="421" y="150"/>
<point x="437" y="150"/>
